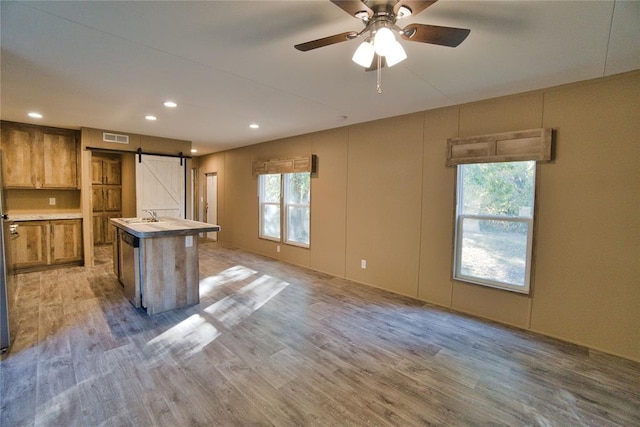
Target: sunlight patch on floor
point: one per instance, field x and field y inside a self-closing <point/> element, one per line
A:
<point x="236" y="307"/>
<point x="193" y="334"/>
<point x="186" y="338"/>
<point x="233" y="274"/>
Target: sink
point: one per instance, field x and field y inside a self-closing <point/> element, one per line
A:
<point x="146" y="220"/>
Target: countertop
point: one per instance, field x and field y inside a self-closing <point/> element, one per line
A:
<point x="44" y="217"/>
<point x="166" y="226"/>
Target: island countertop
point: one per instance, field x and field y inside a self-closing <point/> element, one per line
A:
<point x="165" y="226"/>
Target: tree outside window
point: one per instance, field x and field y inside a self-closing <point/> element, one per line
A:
<point x="494" y="224"/>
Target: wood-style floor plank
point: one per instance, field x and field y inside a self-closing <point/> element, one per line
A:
<point x="274" y="344"/>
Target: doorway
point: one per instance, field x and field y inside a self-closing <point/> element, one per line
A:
<point x="211" y="203"/>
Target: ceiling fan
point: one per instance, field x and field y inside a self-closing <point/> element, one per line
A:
<point x="379" y="18"/>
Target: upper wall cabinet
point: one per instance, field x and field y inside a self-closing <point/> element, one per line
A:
<point x="39" y="157"/>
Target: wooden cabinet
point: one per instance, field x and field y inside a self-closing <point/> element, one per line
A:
<point x="60" y="159"/>
<point x="105" y="171"/>
<point x="103" y="231"/>
<point x="106" y="195"/>
<point x="30" y="248"/>
<point x="39" y="157"/>
<point x="66" y="241"/>
<point x="106" y="198"/>
<point x="19" y="158"/>
<point x="41" y="244"/>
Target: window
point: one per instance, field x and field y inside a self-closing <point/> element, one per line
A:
<point x="285" y="207"/>
<point x="494" y="224"/>
<point x="270" y="206"/>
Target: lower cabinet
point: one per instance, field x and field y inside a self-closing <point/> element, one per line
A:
<point x="66" y="241"/>
<point x="41" y="244"/>
<point x="30" y="248"/>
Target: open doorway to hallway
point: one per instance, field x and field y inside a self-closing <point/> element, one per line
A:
<point x="211" y="203"/>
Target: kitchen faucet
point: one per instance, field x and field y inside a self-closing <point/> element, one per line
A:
<point x="154" y="214"/>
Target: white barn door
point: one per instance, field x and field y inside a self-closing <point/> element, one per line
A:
<point x="160" y="186"/>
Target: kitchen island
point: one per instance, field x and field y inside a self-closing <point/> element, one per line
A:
<point x="156" y="261"/>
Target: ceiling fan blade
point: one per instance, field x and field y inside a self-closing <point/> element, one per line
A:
<point x="326" y="41"/>
<point x="416" y="6"/>
<point x="434" y="34"/>
<point x="374" y="63"/>
<point x="353" y="6"/>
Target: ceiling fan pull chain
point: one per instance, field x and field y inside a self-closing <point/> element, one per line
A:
<point x="379" y="71"/>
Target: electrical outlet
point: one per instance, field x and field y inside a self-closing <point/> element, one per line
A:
<point x="188" y="241"/>
<point x="52" y="201"/>
<point x="363" y="264"/>
<point x="278" y="248"/>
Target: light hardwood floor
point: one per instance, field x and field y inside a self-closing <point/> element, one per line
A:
<point x="274" y="344"/>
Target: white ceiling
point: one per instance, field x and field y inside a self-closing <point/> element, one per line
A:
<point x="231" y="63"/>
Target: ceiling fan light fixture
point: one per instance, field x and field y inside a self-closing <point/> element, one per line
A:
<point x="396" y="54"/>
<point x="363" y="55"/>
<point x="383" y="41"/>
<point x="363" y="14"/>
<point x="403" y="12"/>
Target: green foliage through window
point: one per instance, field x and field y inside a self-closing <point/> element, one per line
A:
<point x="494" y="224"/>
<point x="285" y="204"/>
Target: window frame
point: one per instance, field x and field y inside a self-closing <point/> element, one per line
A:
<point x="284" y="207"/>
<point x="458" y="239"/>
<point x="262" y="204"/>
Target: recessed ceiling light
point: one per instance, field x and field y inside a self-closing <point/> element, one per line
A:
<point x="193" y="150"/>
<point x="170" y="104"/>
<point x="35" y="115"/>
<point x="254" y="126"/>
<point x="150" y="117"/>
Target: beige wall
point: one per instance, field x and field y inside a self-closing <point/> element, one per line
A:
<point x="382" y="193"/>
<point x="30" y="201"/>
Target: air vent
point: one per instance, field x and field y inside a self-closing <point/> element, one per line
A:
<point x="114" y="137"/>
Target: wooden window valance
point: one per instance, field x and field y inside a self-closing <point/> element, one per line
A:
<point x="298" y="164"/>
<point x="534" y="144"/>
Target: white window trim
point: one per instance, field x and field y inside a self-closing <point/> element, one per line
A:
<point x="261" y="210"/>
<point x="286" y="225"/>
<point x="285" y="217"/>
<point x="284" y="214"/>
<point x="262" y="235"/>
<point x="458" y="275"/>
<point x="457" y="265"/>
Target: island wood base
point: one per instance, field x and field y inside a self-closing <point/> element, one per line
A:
<point x="157" y="261"/>
<point x="169" y="272"/>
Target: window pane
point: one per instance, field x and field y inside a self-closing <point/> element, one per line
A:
<point x="298" y="224"/>
<point x="498" y="189"/>
<point x="494" y="250"/>
<point x="271" y="221"/>
<point x="270" y="188"/>
<point x="298" y="188"/>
